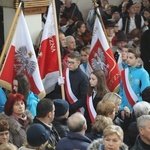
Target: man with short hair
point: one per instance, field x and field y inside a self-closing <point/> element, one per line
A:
<point x="71" y="43"/>
<point x="76" y="138"/>
<point x="4" y="131"/>
<point x="45" y="114"/>
<point x="143" y="139"/>
<point x="76" y="83"/>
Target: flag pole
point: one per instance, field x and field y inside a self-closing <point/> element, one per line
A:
<point x="10" y="34"/>
<point x="58" y="49"/>
<point x="100" y="18"/>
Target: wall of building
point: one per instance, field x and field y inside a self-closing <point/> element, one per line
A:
<point x="85" y="5"/>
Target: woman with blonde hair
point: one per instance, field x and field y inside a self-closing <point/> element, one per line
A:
<point x="112" y="139"/>
<point x="116" y="99"/>
<point x="98" y="126"/>
<point x="113" y="97"/>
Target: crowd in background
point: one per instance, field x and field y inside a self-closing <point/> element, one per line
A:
<point x="91" y="117"/>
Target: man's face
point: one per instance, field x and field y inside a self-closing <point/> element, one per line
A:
<point x="84" y="56"/>
<point x="73" y="64"/>
<point x="52" y="114"/>
<point x="71" y="44"/>
<point x="67" y="3"/>
<point x="4" y="137"/>
<point x="62" y="39"/>
<point x="132" y="60"/>
<point x="121" y="44"/>
<point x="110" y="31"/>
<point x="132" y="10"/>
<point x="145" y="133"/>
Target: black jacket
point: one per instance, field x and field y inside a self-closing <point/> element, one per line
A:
<point x="60" y="125"/>
<point x="54" y="137"/>
<point x="140" y="145"/>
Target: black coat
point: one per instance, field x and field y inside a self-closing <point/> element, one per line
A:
<point x="145" y="50"/>
<point x="60" y="125"/>
<point x="53" y="138"/>
<point x="140" y="145"/>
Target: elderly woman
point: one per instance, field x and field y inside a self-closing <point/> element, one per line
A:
<point x="18" y="118"/>
<point x="112" y="139"/>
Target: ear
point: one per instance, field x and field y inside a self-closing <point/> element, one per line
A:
<point x="85" y="127"/>
<point x="49" y="114"/>
<point x="78" y="62"/>
<point x="141" y="130"/>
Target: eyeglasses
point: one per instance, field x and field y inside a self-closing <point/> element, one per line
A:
<point x="70" y="62"/>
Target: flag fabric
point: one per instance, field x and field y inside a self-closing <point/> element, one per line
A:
<point x="48" y="56"/>
<point x="21" y="59"/>
<point x="101" y="57"/>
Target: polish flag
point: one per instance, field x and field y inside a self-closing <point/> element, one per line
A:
<point x="21" y="59"/>
<point x="101" y="57"/>
<point x="48" y="56"/>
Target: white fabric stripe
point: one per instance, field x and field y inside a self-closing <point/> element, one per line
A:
<point x="92" y="107"/>
<point x="73" y="97"/>
<point x="132" y="94"/>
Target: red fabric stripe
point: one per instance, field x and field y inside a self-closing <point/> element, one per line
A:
<point x="131" y="101"/>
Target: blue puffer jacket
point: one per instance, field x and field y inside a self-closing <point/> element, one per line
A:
<point x="3" y="99"/>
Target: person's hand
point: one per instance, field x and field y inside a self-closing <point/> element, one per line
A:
<point x="122" y="114"/>
<point x="127" y="111"/>
<point x="61" y="80"/>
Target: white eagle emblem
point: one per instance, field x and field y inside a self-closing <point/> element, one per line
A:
<point x="98" y="61"/>
<point x="24" y="62"/>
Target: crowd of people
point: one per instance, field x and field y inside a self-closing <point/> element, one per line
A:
<point x="91" y="117"/>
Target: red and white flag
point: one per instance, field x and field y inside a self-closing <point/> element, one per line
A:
<point x="48" y="56"/>
<point x="21" y="59"/>
<point x="101" y="57"/>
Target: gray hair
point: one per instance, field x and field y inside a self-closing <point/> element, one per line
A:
<point x="142" y="121"/>
<point x="141" y="108"/>
<point x="68" y="38"/>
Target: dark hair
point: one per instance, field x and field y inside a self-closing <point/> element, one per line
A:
<point x="78" y="25"/>
<point x="23" y="85"/>
<point x="8" y="108"/>
<point x="75" y="55"/>
<point x="102" y="88"/>
<point x="146" y="94"/>
<point x="4" y="125"/>
<point x="44" y="106"/>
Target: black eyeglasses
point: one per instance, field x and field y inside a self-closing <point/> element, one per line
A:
<point x="70" y="62"/>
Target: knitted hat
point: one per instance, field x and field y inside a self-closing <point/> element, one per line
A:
<point x="37" y="135"/>
<point x="61" y="107"/>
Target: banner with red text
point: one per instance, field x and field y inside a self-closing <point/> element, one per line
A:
<point x="48" y="56"/>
